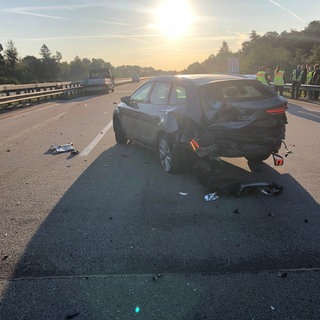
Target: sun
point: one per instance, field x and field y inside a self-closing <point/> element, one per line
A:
<point x="173" y="18"/>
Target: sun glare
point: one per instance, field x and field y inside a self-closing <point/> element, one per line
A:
<point x="173" y="18"/>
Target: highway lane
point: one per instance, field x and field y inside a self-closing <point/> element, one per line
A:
<point x="87" y="235"/>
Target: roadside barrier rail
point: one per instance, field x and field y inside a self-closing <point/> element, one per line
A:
<point x="11" y="93"/>
<point x="306" y="87"/>
<point x="29" y="92"/>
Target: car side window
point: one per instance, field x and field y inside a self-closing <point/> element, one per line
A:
<point x="160" y="93"/>
<point x="141" y="95"/>
<point x="178" y="96"/>
<point x="211" y="97"/>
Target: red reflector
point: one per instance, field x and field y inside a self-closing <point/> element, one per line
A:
<point x="277" y="111"/>
<point x="194" y="144"/>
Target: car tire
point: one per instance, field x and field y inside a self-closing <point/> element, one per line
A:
<point x="170" y="155"/>
<point x="118" y="132"/>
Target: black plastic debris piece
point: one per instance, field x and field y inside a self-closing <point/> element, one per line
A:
<point x="236" y="211"/>
<point x="306" y="220"/>
<point x="72" y="315"/>
<point x="282" y="274"/>
<point x="156" y="277"/>
<point x="4" y="258"/>
<point x="268" y="189"/>
<point x="68" y="147"/>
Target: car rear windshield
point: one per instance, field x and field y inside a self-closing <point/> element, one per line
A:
<point x="236" y="90"/>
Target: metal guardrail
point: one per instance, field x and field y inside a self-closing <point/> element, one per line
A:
<point x="35" y="92"/>
<point x="307" y="87"/>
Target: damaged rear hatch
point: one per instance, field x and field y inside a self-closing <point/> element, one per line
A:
<point x="241" y="118"/>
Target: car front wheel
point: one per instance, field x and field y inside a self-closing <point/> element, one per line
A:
<point x="170" y="157"/>
<point x="118" y="132"/>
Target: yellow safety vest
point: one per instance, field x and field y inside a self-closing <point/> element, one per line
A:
<point x="294" y="75"/>
<point x="278" y="78"/>
<point x="261" y="76"/>
<point x="309" y="77"/>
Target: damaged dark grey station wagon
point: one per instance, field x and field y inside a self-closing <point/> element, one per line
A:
<point x="209" y="115"/>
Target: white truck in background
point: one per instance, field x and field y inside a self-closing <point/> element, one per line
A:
<point x="99" y="81"/>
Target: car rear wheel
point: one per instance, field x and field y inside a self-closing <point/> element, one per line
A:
<point x="118" y="132"/>
<point x="170" y="157"/>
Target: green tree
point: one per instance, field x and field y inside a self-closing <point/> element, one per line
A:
<point x="11" y="54"/>
<point x="193" y="68"/>
<point x="79" y="69"/>
<point x="50" y="64"/>
<point x="32" y="69"/>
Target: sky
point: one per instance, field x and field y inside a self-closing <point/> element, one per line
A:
<point x="163" y="34"/>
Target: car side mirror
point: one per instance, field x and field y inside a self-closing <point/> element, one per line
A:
<point x="128" y="101"/>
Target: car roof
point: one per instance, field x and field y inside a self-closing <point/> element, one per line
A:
<point x="199" y="79"/>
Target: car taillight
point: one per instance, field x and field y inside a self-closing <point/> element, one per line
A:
<point x="277" y="110"/>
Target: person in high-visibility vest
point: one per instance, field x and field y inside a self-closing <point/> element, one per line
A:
<point x="295" y="77"/>
<point x="304" y="71"/>
<point x="309" y="80"/>
<point x="263" y="76"/>
<point x="316" y="80"/>
<point x="278" y="80"/>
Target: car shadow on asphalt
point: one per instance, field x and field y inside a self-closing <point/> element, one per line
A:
<point x="125" y="216"/>
<point x="304" y="113"/>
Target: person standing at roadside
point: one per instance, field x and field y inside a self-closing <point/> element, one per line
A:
<point x="296" y="82"/>
<point x="316" y="80"/>
<point x="309" y="80"/>
<point x="278" y="80"/>
<point x="304" y="71"/>
<point x="263" y="76"/>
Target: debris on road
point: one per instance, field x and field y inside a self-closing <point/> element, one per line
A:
<point x="73" y="315"/>
<point x="68" y="147"/>
<point x="156" y="277"/>
<point x="4" y="258"/>
<point x="236" y="211"/>
<point x="211" y="197"/>
<point x="269" y="189"/>
<point x="282" y="274"/>
<point x="183" y="193"/>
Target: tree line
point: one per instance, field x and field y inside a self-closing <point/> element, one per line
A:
<point x="271" y="49"/>
<point x="49" y="68"/>
<point x="287" y="49"/>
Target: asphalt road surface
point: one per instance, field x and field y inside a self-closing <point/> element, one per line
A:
<point x="106" y="234"/>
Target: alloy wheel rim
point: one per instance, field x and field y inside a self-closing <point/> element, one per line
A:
<point x="165" y="155"/>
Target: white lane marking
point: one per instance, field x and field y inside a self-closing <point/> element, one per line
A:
<point x="95" y="141"/>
